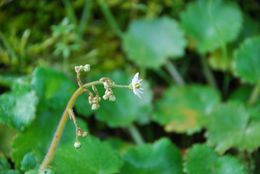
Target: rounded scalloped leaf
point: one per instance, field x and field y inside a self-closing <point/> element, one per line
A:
<point x="18" y="107"/>
<point x="149" y="43"/>
<point x="201" y="159"/>
<point x="160" y="157"/>
<point x="247" y="60"/>
<point x="94" y="156"/>
<point x="207" y="23"/>
<point x="231" y="125"/>
<point x="185" y="108"/>
<point x="128" y="107"/>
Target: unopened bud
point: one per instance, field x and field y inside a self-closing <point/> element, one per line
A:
<point x="84" y="134"/>
<point x="95" y="106"/>
<point x="112" y="98"/>
<point x="105" y="97"/>
<point x="77" y="144"/>
<point x="86" y="68"/>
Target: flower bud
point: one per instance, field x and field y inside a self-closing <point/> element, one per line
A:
<point x="86" y="68"/>
<point x="112" y="98"/>
<point x="95" y="106"/>
<point x="77" y="144"/>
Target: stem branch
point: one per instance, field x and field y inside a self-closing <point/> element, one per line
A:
<point x="58" y="133"/>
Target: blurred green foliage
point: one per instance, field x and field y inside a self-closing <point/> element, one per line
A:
<point x="200" y="61"/>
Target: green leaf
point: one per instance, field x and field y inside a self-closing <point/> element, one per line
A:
<point x="160" y="157"/>
<point x="185" y="108"/>
<point x="53" y="87"/>
<point x="29" y="162"/>
<point x="201" y="159"/>
<point x="93" y="157"/>
<point x="149" y="43"/>
<point x="4" y="164"/>
<point x="218" y="61"/>
<point x="18" y="107"/>
<point x="231" y="125"/>
<point x="127" y="108"/>
<point x="207" y="23"/>
<point x="247" y="61"/>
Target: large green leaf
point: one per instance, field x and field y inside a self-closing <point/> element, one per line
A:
<point x="185" y="108"/>
<point x="208" y="23"/>
<point x="160" y="157"/>
<point x="127" y="108"/>
<point x="149" y="43"/>
<point x="231" y="125"/>
<point x="247" y="60"/>
<point x="93" y="157"/>
<point x="201" y="159"/>
<point x="18" y="107"/>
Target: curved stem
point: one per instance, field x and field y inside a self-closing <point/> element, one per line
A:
<point x="58" y="133"/>
<point x="135" y="134"/>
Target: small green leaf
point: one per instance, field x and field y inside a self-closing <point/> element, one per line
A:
<point x="247" y="61"/>
<point x="231" y="125"/>
<point x="207" y="23"/>
<point x="160" y="157"/>
<point x="18" y="107"/>
<point x="219" y="62"/>
<point x="29" y="162"/>
<point x="149" y="43"/>
<point x="4" y="164"/>
<point x="127" y="108"/>
<point x="201" y="159"/>
<point x="94" y="156"/>
<point x="185" y="108"/>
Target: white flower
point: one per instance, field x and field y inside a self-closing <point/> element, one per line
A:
<point x="136" y="85"/>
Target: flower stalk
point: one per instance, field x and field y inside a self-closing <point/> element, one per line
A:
<point x="94" y="100"/>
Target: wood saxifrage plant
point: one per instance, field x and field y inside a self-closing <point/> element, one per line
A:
<point x="93" y="99"/>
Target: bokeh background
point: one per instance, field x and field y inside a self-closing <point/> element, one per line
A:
<point x="200" y="61"/>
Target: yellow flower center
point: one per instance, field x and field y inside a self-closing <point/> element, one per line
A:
<point x="137" y="85"/>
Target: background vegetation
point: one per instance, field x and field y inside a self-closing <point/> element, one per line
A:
<point x="200" y="112"/>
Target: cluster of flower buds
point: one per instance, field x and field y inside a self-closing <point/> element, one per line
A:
<point x="94" y="101"/>
<point x="108" y="84"/>
<point x="85" y="68"/>
<point x="79" y="133"/>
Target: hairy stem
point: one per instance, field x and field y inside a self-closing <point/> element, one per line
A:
<point x="60" y="128"/>
<point x="135" y="134"/>
<point x="174" y="73"/>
